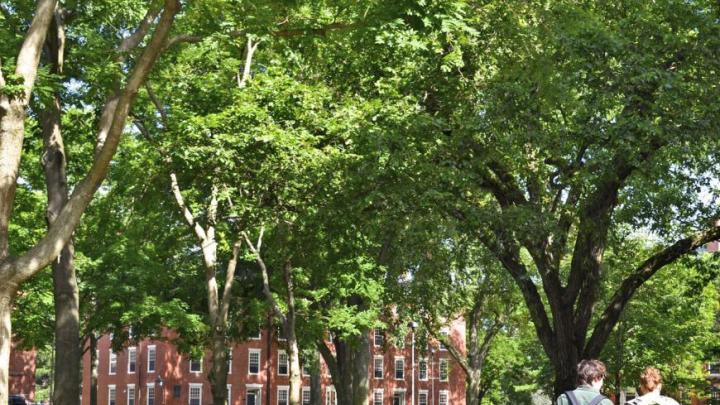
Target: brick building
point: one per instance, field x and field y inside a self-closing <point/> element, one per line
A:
<point x="154" y="373"/>
<point x="22" y="373"/>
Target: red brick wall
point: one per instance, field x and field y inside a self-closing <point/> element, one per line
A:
<point x="174" y="369"/>
<point x="22" y="373"/>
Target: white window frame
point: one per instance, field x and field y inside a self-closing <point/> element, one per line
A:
<point x="375" y="398"/>
<point x="302" y="396"/>
<point x="148" y="388"/>
<point x="258" y="336"/>
<point x="250" y="353"/>
<point x="400" y="391"/>
<point x="228" y="400"/>
<point x="112" y="389"/>
<point x="305" y="370"/>
<point x="447" y="370"/>
<point x="280" y="331"/>
<point x="132" y="352"/>
<point x="445" y="332"/>
<point x="131" y="387"/>
<point x="423" y="360"/>
<point x="427" y="397"/>
<point x="112" y="362"/>
<point x="378" y="332"/>
<point x="382" y="367"/>
<point x="281" y="353"/>
<point x="190" y="365"/>
<point x="286" y="389"/>
<point x="151" y="349"/>
<point x="330" y="393"/>
<point x="395" y="368"/>
<point x="230" y="361"/>
<point x="199" y="386"/>
<point x="253" y="387"/>
<point x="447" y="397"/>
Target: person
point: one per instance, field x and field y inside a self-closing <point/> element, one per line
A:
<point x="590" y="377"/>
<point x="650" y="386"/>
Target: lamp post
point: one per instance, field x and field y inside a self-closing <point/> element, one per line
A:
<point x="412" y="325"/>
<point x="159" y="382"/>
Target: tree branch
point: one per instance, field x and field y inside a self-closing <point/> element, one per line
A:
<point x="187" y="214"/>
<point x="29" y="56"/>
<point x="249" y="52"/>
<point x="47" y="249"/>
<point x="265" y="276"/>
<point x="666" y="256"/>
<point x="229" y="277"/>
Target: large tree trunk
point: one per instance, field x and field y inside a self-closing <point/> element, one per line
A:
<point x="7" y="295"/>
<point x="315" y="384"/>
<point x="293" y="351"/>
<point x="361" y="369"/>
<point x="67" y="301"/>
<point x="219" y="371"/>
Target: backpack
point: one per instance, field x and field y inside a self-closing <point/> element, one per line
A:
<point x="574" y="401"/>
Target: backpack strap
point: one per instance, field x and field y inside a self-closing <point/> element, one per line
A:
<point x="571" y="396"/>
<point x="597" y="400"/>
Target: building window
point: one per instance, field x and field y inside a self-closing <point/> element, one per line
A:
<point x="113" y="363"/>
<point x="399" y="368"/>
<point x="281" y="335"/>
<point x="229" y="361"/>
<point x="446" y="335"/>
<point x="150" y="394"/>
<point x="330" y="395"/>
<point x="422" y="370"/>
<point x="195" y="394"/>
<point x="257" y="335"/>
<point x="131" y="394"/>
<point x="399" y="397"/>
<point x="228" y="400"/>
<point x="177" y="390"/>
<point x="152" y="356"/>
<point x="443" y="398"/>
<point x="423" y="398"/>
<point x="112" y="395"/>
<point x="282" y="363"/>
<point x="254" y="361"/>
<point x="305" y="370"/>
<point x="378" y="397"/>
<point x="252" y="397"/>
<point x="306" y="396"/>
<point x="196" y="365"/>
<point x="378" y="367"/>
<point x="282" y="398"/>
<point x="132" y="359"/>
<point x="379" y="337"/>
<point x="444" y="370"/>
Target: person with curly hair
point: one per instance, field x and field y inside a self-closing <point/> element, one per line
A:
<point x="650" y="386"/>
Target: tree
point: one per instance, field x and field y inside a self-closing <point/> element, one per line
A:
<point x="17" y="89"/>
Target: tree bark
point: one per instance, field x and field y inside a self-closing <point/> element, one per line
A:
<point x="315" y="384"/>
<point x="67" y="316"/>
<point x="295" y="396"/>
<point x="93" y="369"/>
<point x="7" y="296"/>
<point x="360" y="369"/>
<point x="15" y="270"/>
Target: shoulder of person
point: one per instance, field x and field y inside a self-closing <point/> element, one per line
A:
<point x="606" y="401"/>
<point x="669" y="401"/>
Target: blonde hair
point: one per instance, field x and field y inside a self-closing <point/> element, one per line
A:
<point x="650" y="379"/>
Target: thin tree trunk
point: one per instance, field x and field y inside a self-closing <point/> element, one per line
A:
<point x="293" y="351"/>
<point x="94" y="370"/>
